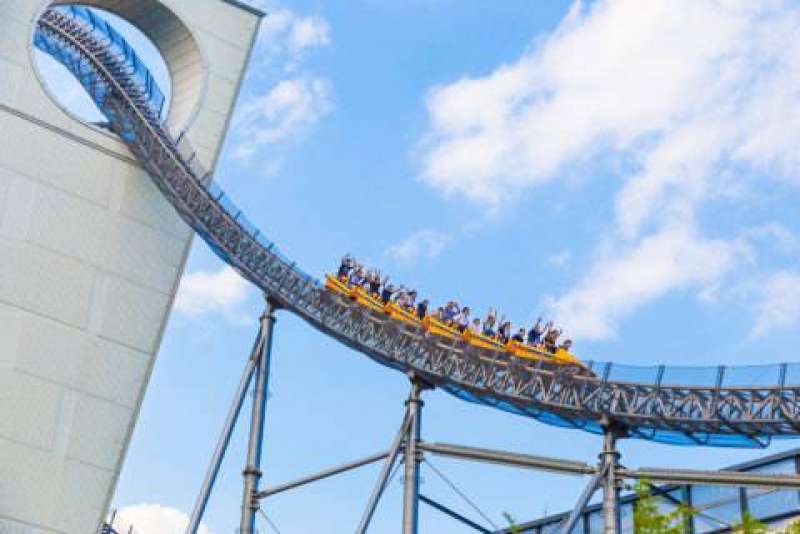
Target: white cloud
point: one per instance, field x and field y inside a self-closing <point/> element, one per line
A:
<point x="424" y="244"/>
<point x="624" y="75"/>
<point x="285" y="113"/>
<point x="560" y="258"/>
<point x="697" y="94"/>
<point x="621" y="281"/>
<point x="778" y="303"/>
<point x="774" y="232"/>
<point x="154" y="519"/>
<point x="290" y="101"/>
<point x="285" y="36"/>
<point x="204" y="292"/>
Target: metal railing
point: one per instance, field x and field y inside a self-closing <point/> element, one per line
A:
<point x="723" y="406"/>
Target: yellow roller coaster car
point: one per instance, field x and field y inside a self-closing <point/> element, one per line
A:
<point x="434" y="326"/>
<point x="431" y="325"/>
<point x="401" y="314"/>
<point x="337" y="286"/>
<point x="485" y="342"/>
<point x="561" y="356"/>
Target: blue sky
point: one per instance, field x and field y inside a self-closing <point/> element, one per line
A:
<point x="627" y="168"/>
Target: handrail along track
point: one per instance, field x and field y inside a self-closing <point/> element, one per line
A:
<point x="712" y="414"/>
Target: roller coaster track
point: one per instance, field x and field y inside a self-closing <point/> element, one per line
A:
<point x="719" y="406"/>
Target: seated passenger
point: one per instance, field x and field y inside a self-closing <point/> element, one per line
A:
<point x="450" y="312"/>
<point x="388" y="290"/>
<point x="422" y="309"/>
<point x="488" y="326"/>
<point x="344" y="268"/>
<point x="411" y="302"/>
<point x="519" y="337"/>
<point x="402" y="298"/>
<point x="375" y="284"/>
<point x="566" y="345"/>
<point x="551" y="339"/>
<point x="535" y="333"/>
<point x="356" y="277"/>
<point x="439" y="315"/>
<point x="461" y="320"/>
<point x="475" y="327"/>
<point x="504" y="332"/>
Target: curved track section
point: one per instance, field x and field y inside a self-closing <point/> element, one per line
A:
<point x="736" y="406"/>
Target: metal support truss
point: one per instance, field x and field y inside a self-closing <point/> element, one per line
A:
<point x="704" y="413"/>
<point x="513" y="459"/>
<point x="412" y="457"/>
<point x="583" y="500"/>
<point x="252" y="471"/>
<point x="455" y="515"/>
<point x="339" y="469"/>
<point x="407" y="441"/>
<point x="383" y="478"/>
<point x="609" y="461"/>
<point x="256" y="362"/>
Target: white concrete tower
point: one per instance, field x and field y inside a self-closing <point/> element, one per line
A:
<point x="90" y="257"/>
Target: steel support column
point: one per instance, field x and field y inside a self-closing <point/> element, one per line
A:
<point x="252" y="470"/>
<point x="383" y="478"/>
<point x="225" y="435"/>
<point x="571" y="520"/>
<point x="412" y="458"/>
<point x="609" y="462"/>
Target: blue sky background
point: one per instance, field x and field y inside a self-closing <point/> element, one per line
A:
<point x="628" y="168"/>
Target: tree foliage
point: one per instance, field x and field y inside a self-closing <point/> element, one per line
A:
<point x="748" y="524"/>
<point x="513" y="527"/>
<point x="649" y="519"/>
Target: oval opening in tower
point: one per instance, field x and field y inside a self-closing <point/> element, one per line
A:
<point x="126" y="39"/>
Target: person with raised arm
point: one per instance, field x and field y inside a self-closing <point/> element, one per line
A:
<point x="488" y="323"/>
<point x="345" y="267"/>
<point x="475" y="327"/>
<point x="519" y="337"/>
<point x="375" y="283"/>
<point x="504" y="332"/>
<point x="551" y="339"/>
<point x="411" y="302"/>
<point x="356" y="278"/>
<point x="387" y="291"/>
<point x="461" y="320"/>
<point x="535" y="333"/>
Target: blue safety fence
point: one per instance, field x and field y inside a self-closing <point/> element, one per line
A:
<point x="81" y="68"/>
<point x="722" y="376"/>
<point x="237" y="215"/>
<point x="758" y="377"/>
<point x="136" y="71"/>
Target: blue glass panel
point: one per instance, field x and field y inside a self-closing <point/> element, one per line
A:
<point x="690" y="376"/>
<point x="716" y="505"/>
<point x="633" y="373"/>
<point x="752" y="376"/>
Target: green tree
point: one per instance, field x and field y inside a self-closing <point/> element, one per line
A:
<point x="648" y="519"/>
<point x="748" y="524"/>
<point x="513" y="527"/>
<point x="792" y="528"/>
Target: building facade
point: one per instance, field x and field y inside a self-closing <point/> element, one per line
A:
<point x="90" y="257"/>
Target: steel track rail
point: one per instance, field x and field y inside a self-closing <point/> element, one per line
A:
<point x="698" y="414"/>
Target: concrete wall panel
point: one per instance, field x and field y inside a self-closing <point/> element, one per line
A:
<point x="90" y="256"/>
<point x="47" y="283"/>
<point x="54" y="160"/>
<point x="32" y="407"/>
<point x="35" y="474"/>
